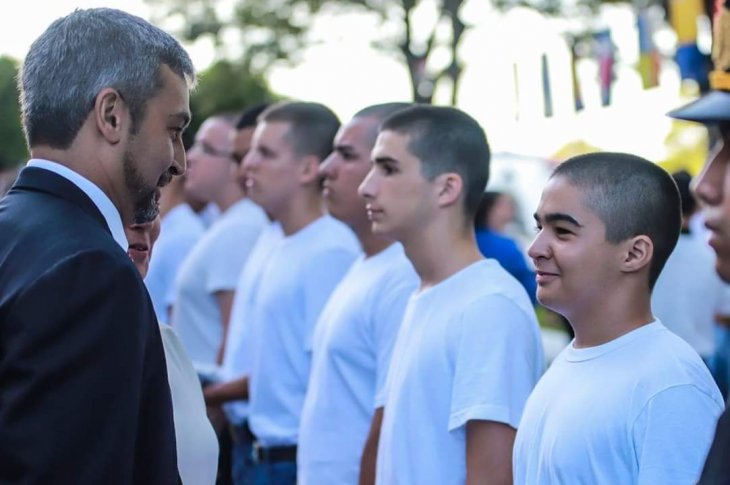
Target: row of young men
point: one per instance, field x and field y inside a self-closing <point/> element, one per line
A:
<point x="310" y="337"/>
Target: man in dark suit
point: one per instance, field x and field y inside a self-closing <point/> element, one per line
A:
<point x="84" y="396"/>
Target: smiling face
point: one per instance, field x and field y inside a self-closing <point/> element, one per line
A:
<point x="141" y="239"/>
<point x="576" y="266"/>
<point x="712" y="188"/>
<point x="400" y="201"/>
<point x="154" y="152"/>
<point x="345" y="169"/>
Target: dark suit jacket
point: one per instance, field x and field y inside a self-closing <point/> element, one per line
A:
<point x="717" y="466"/>
<point x="84" y="396"/>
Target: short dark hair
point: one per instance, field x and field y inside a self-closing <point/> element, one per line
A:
<point x="379" y="112"/>
<point x="445" y="140"/>
<point x="632" y="196"/>
<point x="249" y="117"/>
<point x="313" y="126"/>
<point x="683" y="180"/>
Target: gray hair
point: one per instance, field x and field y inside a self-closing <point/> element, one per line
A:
<point x="83" y="53"/>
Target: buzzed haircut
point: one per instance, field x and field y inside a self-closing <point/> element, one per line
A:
<point x="446" y="140"/>
<point x="249" y="117"/>
<point x="632" y="196"/>
<point x="312" y="126"/>
<point x="379" y="112"/>
<point x="683" y="180"/>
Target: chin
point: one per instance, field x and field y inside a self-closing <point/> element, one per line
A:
<point x="723" y="269"/>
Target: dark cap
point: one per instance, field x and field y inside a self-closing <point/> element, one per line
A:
<point x="714" y="107"/>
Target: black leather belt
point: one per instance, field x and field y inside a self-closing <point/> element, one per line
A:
<point x="261" y="454"/>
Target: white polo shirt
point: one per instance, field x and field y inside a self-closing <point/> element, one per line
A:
<point x="351" y="353"/>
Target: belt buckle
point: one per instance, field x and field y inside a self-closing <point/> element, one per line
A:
<point x="256" y="452"/>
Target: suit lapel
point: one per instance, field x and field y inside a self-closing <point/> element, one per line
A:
<point x="41" y="180"/>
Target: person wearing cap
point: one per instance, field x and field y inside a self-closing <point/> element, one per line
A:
<point x="712" y="187"/>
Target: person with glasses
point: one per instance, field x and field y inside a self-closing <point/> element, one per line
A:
<point x="207" y="278"/>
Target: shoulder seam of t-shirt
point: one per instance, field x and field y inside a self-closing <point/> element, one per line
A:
<point x="669" y="388"/>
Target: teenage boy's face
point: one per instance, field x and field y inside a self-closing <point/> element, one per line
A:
<point x="399" y="199"/>
<point x="272" y="169"/>
<point x="575" y="264"/>
<point x="345" y="169"/>
<point x="712" y="187"/>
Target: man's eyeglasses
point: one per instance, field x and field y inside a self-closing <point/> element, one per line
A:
<point x="214" y="152"/>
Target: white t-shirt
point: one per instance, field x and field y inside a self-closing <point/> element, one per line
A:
<point x="469" y="348"/>
<point x="640" y="409"/>
<point x="299" y="277"/>
<point x="197" y="444"/>
<point x="180" y="230"/>
<point x="352" y="344"/>
<point x="688" y="294"/>
<point x="235" y="358"/>
<point x="213" y="265"/>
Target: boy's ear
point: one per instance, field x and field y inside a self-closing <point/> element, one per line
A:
<point x="309" y="169"/>
<point x="449" y="187"/>
<point x="638" y="255"/>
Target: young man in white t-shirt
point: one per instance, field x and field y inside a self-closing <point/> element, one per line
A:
<point x="207" y="277"/>
<point x="627" y="401"/>
<point x="268" y="358"/>
<point x="468" y="352"/>
<point x="354" y="336"/>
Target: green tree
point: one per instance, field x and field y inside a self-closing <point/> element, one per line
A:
<point x="13" y="149"/>
<point x="225" y="87"/>
<point x="272" y="30"/>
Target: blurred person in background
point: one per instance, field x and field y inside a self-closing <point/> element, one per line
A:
<point x="207" y="278"/>
<point x="297" y="263"/>
<point x="496" y="210"/>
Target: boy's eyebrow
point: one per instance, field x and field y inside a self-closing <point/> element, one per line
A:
<point x="384" y="159"/>
<point x="558" y="217"/>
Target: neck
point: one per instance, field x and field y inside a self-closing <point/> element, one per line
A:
<point x="609" y="319"/>
<point x="301" y="211"/>
<point x="437" y="253"/>
<point x="230" y="194"/>
<point x="371" y="243"/>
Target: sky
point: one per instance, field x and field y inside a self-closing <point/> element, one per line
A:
<point x="343" y="71"/>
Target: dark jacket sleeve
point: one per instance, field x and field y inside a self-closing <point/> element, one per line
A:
<point x="717" y="466"/>
<point x="84" y="396"/>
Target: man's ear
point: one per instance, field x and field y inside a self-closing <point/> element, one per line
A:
<point x="449" y="187"/>
<point x="309" y="169"/>
<point x="638" y="254"/>
<point x="110" y="115"/>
